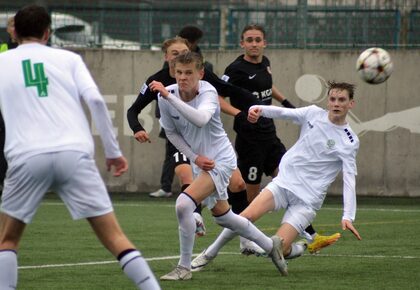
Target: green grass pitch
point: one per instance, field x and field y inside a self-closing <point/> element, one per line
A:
<point x="58" y="253"/>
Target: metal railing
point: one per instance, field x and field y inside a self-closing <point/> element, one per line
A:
<point x="144" y="25"/>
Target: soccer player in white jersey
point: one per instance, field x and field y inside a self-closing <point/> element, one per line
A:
<point x="326" y="146"/>
<point x="190" y="115"/>
<point x="49" y="146"/>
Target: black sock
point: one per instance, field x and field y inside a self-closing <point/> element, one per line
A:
<point x="310" y="230"/>
<point x="238" y="201"/>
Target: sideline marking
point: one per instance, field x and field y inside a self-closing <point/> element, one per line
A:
<point x="117" y="204"/>
<point x="194" y="255"/>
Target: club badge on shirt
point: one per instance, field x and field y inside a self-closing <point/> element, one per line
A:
<point x="330" y="144"/>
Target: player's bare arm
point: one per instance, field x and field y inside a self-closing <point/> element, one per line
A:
<point x="276" y="94"/>
<point x="228" y="108"/>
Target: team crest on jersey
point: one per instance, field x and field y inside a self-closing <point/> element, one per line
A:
<point x="269" y="70"/>
<point x="330" y="144"/>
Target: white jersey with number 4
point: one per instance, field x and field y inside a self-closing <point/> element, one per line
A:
<point x="40" y="98"/>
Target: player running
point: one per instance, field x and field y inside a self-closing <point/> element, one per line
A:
<point x="190" y="115"/>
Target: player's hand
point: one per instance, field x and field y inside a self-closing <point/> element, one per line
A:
<point x="254" y="114"/>
<point x="156" y="86"/>
<point x="204" y="163"/>
<point x="348" y="225"/>
<point x="142" y="136"/>
<point x="120" y="165"/>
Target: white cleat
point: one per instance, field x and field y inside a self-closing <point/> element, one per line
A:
<point x="160" y="193"/>
<point x="200" y="262"/>
<point x="277" y="255"/>
<point x="248" y="248"/>
<point x="179" y="273"/>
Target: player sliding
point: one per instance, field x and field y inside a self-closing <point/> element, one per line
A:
<point x="326" y="146"/>
<point x="190" y="115"/>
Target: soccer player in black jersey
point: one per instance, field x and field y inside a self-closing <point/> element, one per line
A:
<point x="257" y="145"/>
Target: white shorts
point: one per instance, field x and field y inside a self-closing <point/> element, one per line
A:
<point x="220" y="174"/>
<point x="72" y="175"/>
<point x="298" y="214"/>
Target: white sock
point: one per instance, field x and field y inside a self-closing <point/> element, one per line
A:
<point x="246" y="229"/>
<point x="243" y="240"/>
<point x="297" y="251"/>
<point x="184" y="211"/>
<point x="222" y="239"/>
<point x="137" y="269"/>
<point x="8" y="269"/>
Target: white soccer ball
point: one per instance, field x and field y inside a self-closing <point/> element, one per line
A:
<point x="374" y="65"/>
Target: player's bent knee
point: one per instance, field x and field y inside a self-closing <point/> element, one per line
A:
<point x="184" y="204"/>
<point x="237" y="186"/>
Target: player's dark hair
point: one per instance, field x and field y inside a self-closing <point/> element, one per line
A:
<point x="342" y="86"/>
<point x="252" y="27"/>
<point x="191" y="33"/>
<point x="32" y="21"/>
<point x="177" y="39"/>
<point x="190" y="57"/>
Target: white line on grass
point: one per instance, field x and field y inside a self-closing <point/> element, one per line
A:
<point x="116" y="204"/>
<point x="221" y="253"/>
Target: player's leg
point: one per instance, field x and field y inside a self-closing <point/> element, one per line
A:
<point x="260" y="205"/>
<point x="185" y="205"/>
<point x="250" y="159"/>
<point x="80" y="186"/>
<point x="275" y="152"/>
<point x="183" y="171"/>
<point x="167" y="174"/>
<point x="11" y="231"/>
<point x="240" y="224"/>
<point x="24" y="188"/>
<point x="237" y="192"/>
<point x="296" y="218"/>
<point x="131" y="260"/>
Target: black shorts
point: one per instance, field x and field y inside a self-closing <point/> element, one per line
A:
<point x="178" y="157"/>
<point x="257" y="158"/>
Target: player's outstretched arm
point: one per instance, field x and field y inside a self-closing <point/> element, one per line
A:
<point x="119" y="164"/>
<point x="348" y="225"/>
